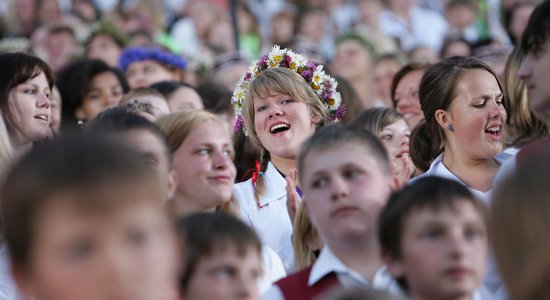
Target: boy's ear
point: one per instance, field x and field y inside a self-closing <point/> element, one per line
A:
<point x="172" y="184"/>
<point x="79" y="113"/>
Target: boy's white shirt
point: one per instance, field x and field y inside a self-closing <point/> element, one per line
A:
<point x="271" y="222"/>
<point x="8" y="288"/>
<point x="273" y="269"/>
<point x="328" y="262"/>
<point x="437" y="168"/>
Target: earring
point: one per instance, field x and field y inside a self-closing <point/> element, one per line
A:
<point x="450" y="127"/>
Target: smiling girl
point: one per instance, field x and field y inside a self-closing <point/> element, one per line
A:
<point x="25" y="89"/>
<point x="203" y="159"/>
<point x="281" y="103"/>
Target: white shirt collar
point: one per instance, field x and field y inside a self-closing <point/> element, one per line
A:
<point x="275" y="185"/>
<point x="328" y="262"/>
<point x="437" y="168"/>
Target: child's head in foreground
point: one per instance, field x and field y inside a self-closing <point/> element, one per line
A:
<point x="345" y="174"/>
<point x="84" y="219"/>
<point x="520" y="229"/>
<point x="222" y="259"/>
<point x="433" y="235"/>
<point x="142" y="135"/>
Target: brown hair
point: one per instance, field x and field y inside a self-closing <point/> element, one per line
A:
<point x="376" y="118"/>
<point x="206" y="234"/>
<point x="430" y="192"/>
<point x="438" y="90"/>
<point x="177" y="126"/>
<point x="406" y="69"/>
<point x="336" y="135"/>
<point x="523" y="125"/>
<point x="521" y="229"/>
<point x="140" y="92"/>
<point x="350" y="99"/>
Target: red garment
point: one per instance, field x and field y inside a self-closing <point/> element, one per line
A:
<point x="295" y="287"/>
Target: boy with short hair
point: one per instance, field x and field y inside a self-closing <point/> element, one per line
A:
<point x="346" y="178"/>
<point x="84" y="219"/>
<point x="222" y="258"/>
<point x="433" y="235"/>
<point x="143" y="136"/>
<point x="159" y="105"/>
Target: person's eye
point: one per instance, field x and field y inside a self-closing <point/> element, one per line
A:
<point x="350" y="174"/>
<point x="149" y="69"/>
<point x="225" y="271"/>
<point x="137" y="237"/>
<point x="94" y="96"/>
<point x="319" y="183"/>
<point x="387" y="137"/>
<point x="30" y="91"/>
<point x="117" y="92"/>
<point x="131" y="73"/>
<point x="473" y="233"/>
<point x="414" y="93"/>
<point x="286" y="101"/>
<point x="432" y="234"/>
<point x="479" y="105"/>
<point x="228" y="152"/>
<point x="261" y="108"/>
<point x="204" y="151"/>
<point x="79" y="250"/>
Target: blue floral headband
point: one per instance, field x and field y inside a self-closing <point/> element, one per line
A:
<point x="133" y="54"/>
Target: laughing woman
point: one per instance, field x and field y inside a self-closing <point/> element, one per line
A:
<point x="25" y="89"/>
<point x="281" y="101"/>
<point x="462" y="101"/>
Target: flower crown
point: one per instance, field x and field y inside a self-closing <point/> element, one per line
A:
<point x="322" y="84"/>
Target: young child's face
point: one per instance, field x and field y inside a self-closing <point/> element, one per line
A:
<point x="226" y="275"/>
<point x="345" y="190"/>
<point x="443" y="252"/>
<point x="129" y="253"/>
<point x="147" y="72"/>
<point x="395" y="138"/>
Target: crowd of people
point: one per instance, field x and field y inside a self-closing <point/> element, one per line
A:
<point x="315" y="149"/>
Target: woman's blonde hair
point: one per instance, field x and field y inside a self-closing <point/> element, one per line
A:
<point x="177" y="127"/>
<point x="520" y="229"/>
<point x="303" y="235"/>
